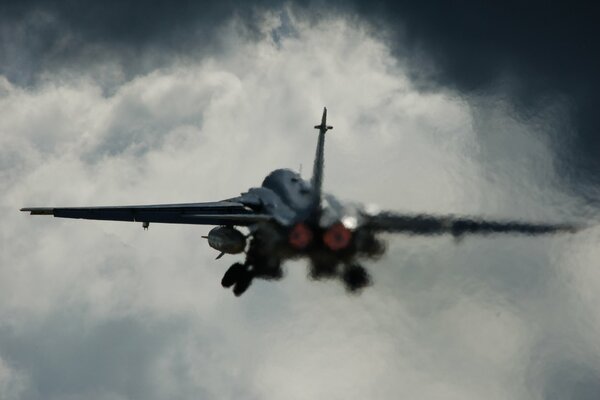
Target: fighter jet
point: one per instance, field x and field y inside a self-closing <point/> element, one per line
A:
<point x="288" y="217"/>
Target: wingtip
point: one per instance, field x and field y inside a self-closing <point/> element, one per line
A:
<point x="38" y="210"/>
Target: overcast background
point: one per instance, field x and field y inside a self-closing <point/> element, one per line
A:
<point x="442" y="109"/>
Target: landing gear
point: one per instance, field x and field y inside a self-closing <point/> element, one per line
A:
<point x="243" y="283"/>
<point x="232" y="275"/>
<point x="260" y="263"/>
<point x="355" y="277"/>
<point x="239" y="276"/>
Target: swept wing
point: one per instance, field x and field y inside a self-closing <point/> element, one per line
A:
<point x="213" y="213"/>
<point x="429" y="225"/>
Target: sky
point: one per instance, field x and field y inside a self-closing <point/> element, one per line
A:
<point x="444" y="108"/>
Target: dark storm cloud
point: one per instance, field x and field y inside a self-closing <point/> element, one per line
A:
<point x="37" y="36"/>
<point x="146" y="316"/>
<point x="134" y="23"/>
<point x="533" y="54"/>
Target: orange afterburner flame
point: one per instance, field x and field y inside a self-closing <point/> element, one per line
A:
<point x="300" y="236"/>
<point x="337" y="237"/>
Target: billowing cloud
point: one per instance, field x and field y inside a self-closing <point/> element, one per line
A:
<point x="107" y="311"/>
<point x="533" y="54"/>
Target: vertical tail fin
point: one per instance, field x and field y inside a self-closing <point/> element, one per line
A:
<point x="317" y="177"/>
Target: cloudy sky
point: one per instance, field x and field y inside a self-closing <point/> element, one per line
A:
<point x="442" y="109"/>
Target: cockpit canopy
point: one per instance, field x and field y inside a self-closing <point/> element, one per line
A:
<point x="291" y="188"/>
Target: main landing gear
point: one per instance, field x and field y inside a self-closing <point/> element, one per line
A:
<point x="355" y="277"/>
<point x="257" y="265"/>
<point x="239" y="276"/>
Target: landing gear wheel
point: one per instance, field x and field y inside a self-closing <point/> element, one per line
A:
<point x="243" y="283"/>
<point x="232" y="275"/>
<point x="355" y="277"/>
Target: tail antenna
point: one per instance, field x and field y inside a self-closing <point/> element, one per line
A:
<point x="317" y="178"/>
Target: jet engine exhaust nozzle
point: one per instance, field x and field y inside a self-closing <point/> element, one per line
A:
<point x="337" y="237"/>
<point x="300" y="236"/>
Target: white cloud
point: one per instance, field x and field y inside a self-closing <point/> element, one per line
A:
<point x="104" y="310"/>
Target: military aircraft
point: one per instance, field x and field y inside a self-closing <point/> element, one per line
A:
<point x="288" y="217"/>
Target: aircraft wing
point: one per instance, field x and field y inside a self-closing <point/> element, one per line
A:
<point x="215" y="213"/>
<point x="423" y="224"/>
